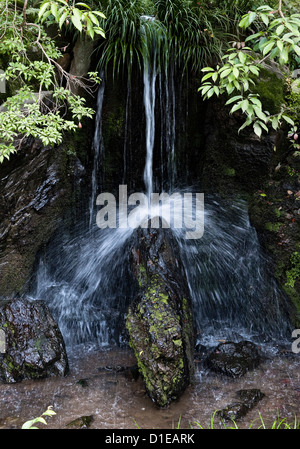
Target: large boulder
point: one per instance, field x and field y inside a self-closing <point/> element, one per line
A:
<point x="34" y="346"/>
<point x="38" y="185"/>
<point x="159" y="320"/>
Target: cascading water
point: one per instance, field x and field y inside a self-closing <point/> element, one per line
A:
<point x="86" y="279"/>
<point x="98" y="147"/>
<point x="149" y="101"/>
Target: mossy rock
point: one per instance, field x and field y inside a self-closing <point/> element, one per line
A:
<point x="270" y="88"/>
<point x="159" y="321"/>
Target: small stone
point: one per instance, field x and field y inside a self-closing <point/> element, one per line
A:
<point x="83" y="422"/>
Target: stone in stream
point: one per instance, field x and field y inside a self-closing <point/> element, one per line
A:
<point x="249" y="399"/>
<point x="34" y="346"/>
<point x="159" y="320"/>
<point x="233" y="359"/>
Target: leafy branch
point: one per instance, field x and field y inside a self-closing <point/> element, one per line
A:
<point x="39" y="106"/>
<point x="278" y="37"/>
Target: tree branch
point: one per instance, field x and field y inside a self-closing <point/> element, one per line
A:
<point x="280" y="9"/>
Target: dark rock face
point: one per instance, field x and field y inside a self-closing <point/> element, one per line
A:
<point x="159" y="320"/>
<point x="34" y="346"/>
<point x="37" y="187"/>
<point x="233" y="359"/>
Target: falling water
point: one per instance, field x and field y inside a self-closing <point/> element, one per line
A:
<point x="87" y="282"/>
<point x="150" y="74"/>
<point x="97" y="147"/>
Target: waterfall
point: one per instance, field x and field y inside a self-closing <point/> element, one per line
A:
<point x="98" y="148"/>
<point x="150" y="74"/>
<point x="86" y="280"/>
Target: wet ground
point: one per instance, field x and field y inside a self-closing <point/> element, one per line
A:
<point x="100" y="385"/>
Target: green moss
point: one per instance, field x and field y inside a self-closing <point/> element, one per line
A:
<point x="271" y="91"/>
<point x="294" y="273"/>
<point x="228" y="171"/>
<point x="273" y="227"/>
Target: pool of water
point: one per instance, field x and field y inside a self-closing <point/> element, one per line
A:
<point x="98" y="385"/>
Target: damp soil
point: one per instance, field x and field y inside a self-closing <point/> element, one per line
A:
<point x="102" y="386"/>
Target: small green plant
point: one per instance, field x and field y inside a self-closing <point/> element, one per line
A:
<point x="278" y="423"/>
<point x="31" y="423"/>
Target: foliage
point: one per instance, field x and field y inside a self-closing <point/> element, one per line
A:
<point x="184" y="34"/>
<point x="31" y="423"/>
<point x="293" y="99"/>
<point x="80" y="14"/>
<point x="277" y="39"/>
<point x="278" y="423"/>
<point x="294" y="273"/>
<point x="38" y="104"/>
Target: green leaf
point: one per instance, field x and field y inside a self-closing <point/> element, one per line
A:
<point x="296" y="49"/>
<point x="235" y="107"/>
<point x="275" y="122"/>
<point x="268" y="47"/>
<point x="225" y="73"/>
<point x="253" y="36"/>
<point x="265" y="19"/>
<point x="252" y="17"/>
<point x="207" y="69"/>
<point x="244" y="105"/>
<point x="279" y="29"/>
<point x="244" y="22"/>
<point x="62" y="19"/>
<point x="205" y="88"/>
<point x="280" y="45"/>
<point x="100" y="14"/>
<point x="257" y="129"/>
<point x="76" y="19"/>
<point x="43" y="9"/>
<point x="207" y="76"/>
<point x="83" y="4"/>
<point x="288" y="119"/>
<point x="284" y="56"/>
<point x="210" y="93"/>
<point x="54" y="10"/>
<point x="246" y="123"/>
<point x="235" y="72"/>
<point x="254" y="70"/>
<point x="232" y="99"/>
<point x="93" y="19"/>
<point x="260" y="114"/>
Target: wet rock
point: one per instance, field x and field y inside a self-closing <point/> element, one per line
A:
<point x="237" y="410"/>
<point x="83" y="383"/>
<point x="159" y="320"/>
<point x="34" y="346"/>
<point x="37" y="186"/>
<point x="233" y="359"/>
<point x="83" y="422"/>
